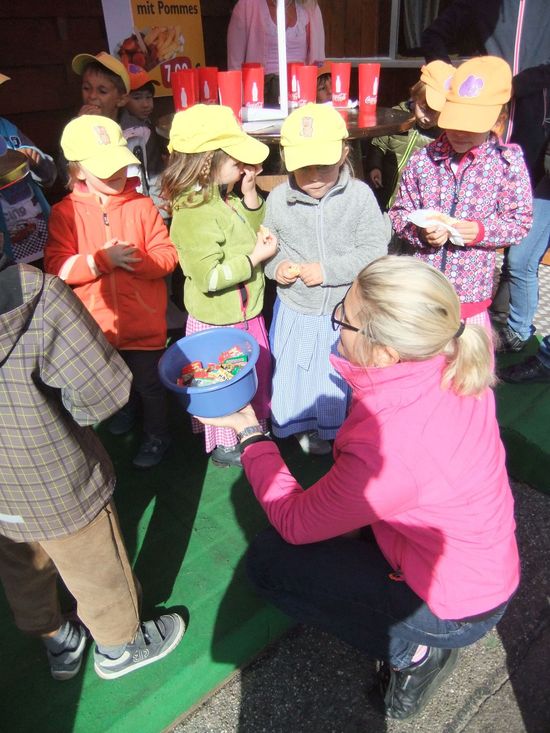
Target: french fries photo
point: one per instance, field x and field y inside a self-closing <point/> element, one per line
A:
<point x="150" y="48"/>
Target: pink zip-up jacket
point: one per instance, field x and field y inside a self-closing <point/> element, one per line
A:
<point x="490" y="186"/>
<point x="247" y="38"/>
<point x="425" y="468"/>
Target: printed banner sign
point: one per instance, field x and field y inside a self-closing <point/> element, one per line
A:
<point x="162" y="36"/>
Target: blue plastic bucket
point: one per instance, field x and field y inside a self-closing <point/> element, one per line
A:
<point x="221" y="398"/>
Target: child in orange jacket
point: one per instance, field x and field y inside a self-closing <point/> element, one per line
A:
<point x="109" y="243"/>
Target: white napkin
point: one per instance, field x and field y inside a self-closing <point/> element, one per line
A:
<point x="424" y="217"/>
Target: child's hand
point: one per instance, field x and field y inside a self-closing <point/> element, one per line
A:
<point x="435" y="235"/>
<point x="287" y="272"/>
<point x="376" y="177"/>
<point x="33" y="156"/>
<point x="265" y="247"/>
<point x="468" y="230"/>
<point x="248" y="181"/>
<point x="311" y="273"/>
<point x="122" y="254"/>
<point x="89" y="109"/>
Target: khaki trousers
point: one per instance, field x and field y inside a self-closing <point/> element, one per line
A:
<point x="93" y="565"/>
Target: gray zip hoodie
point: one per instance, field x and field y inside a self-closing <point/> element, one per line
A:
<point x="344" y="231"/>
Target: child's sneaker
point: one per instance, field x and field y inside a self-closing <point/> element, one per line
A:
<point x="153" y="641"/>
<point x="310" y="442"/>
<point x="65" y="664"/>
<point x="151" y="451"/>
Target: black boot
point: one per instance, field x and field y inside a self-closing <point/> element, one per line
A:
<point x="406" y="691"/>
<point x="530" y="371"/>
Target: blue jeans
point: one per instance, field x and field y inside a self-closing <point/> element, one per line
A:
<point x="523" y="265"/>
<point x="345" y="586"/>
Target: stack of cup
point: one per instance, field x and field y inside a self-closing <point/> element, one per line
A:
<point x="340" y="75"/>
<point x="253" y="84"/>
<point x="307" y="84"/>
<point x="230" y="88"/>
<point x="293" y="88"/>
<point x="208" y="84"/>
<point x="185" y="88"/>
<point x="369" y="76"/>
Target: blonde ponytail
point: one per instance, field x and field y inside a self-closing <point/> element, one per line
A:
<point x="410" y="306"/>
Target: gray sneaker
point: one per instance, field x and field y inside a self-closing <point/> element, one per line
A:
<point x="153" y="641"/>
<point x="66" y="664"/>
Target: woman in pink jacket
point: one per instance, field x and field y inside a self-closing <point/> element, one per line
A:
<point x="252" y="37"/>
<point x="420" y="462"/>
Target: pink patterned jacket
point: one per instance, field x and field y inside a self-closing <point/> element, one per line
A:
<point x="491" y="186"/>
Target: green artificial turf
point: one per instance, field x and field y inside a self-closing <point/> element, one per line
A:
<point x="187" y="525"/>
<point x="524" y="417"/>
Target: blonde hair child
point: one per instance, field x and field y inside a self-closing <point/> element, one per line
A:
<point x="329" y="227"/>
<point x="108" y="242"/>
<point x="216" y="233"/>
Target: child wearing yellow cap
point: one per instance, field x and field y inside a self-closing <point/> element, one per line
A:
<point x="478" y="188"/>
<point x="389" y="154"/>
<point x="329" y="227"/>
<point x="109" y="243"/>
<point x="105" y="84"/>
<point x="219" y="242"/>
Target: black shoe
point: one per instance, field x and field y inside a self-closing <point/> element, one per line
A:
<point x="509" y="341"/>
<point x="529" y="371"/>
<point x="223" y="457"/>
<point x="406" y="691"/>
<point x="151" y="451"/>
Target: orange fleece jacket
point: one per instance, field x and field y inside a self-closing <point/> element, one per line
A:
<point x="130" y="307"/>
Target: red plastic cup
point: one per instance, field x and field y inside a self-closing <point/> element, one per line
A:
<point x="253" y="84"/>
<point x="369" y="76"/>
<point x="307" y="84"/>
<point x="292" y="76"/>
<point x="340" y="73"/>
<point x="230" y="88"/>
<point x="184" y="88"/>
<point x="208" y="84"/>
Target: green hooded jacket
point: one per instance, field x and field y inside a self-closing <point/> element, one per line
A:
<point x="214" y="238"/>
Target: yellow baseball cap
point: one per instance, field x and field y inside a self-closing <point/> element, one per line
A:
<point x="205" y="127"/>
<point x="437" y="76"/>
<point x="81" y="61"/>
<point x="98" y="143"/>
<point x="4" y="78"/>
<point x="479" y="88"/>
<point x="312" y="135"/>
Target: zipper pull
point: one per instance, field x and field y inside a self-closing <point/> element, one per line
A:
<point x="105" y="219"/>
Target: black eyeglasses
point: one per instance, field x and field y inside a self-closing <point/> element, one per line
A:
<point x="338" y="315"/>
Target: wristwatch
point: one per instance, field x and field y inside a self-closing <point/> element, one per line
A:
<point x="250" y="430"/>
